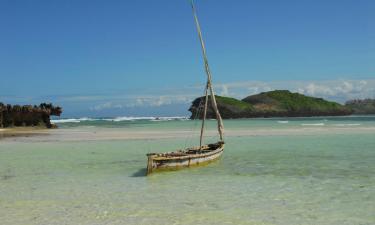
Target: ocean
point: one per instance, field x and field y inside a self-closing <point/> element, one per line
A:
<point x="287" y="171"/>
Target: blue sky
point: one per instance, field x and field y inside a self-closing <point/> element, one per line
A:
<point x="107" y="58"/>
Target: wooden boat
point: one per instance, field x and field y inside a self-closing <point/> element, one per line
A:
<point x="198" y="155"/>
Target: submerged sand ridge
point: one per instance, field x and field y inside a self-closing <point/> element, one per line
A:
<point x="92" y="133"/>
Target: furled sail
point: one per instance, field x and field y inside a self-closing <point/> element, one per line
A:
<point x="209" y="87"/>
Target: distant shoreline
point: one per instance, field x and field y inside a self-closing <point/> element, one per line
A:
<point x="181" y="118"/>
<point x="88" y="133"/>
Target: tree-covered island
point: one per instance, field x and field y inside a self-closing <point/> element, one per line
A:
<point x="278" y="103"/>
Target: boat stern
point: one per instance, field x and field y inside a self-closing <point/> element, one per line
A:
<point x="150" y="160"/>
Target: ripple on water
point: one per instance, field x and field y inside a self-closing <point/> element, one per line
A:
<point x="280" y="179"/>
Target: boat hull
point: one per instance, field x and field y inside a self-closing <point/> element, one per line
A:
<point x="187" y="158"/>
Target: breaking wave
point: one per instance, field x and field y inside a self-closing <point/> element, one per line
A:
<point x="119" y="119"/>
<point x="66" y="121"/>
<point x="346" y="124"/>
<point x="312" y="124"/>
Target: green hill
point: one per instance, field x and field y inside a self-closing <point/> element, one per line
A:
<point x="279" y="103"/>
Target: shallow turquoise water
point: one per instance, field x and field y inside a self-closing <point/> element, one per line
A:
<point x="316" y="178"/>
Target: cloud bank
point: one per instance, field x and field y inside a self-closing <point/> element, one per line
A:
<point x="336" y="90"/>
<point x="176" y="101"/>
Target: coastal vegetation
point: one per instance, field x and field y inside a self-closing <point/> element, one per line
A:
<point x="278" y="103"/>
<point x="362" y="106"/>
<point x="28" y="115"/>
<point x="229" y="108"/>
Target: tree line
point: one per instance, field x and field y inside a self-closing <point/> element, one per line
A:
<point x="28" y="115"/>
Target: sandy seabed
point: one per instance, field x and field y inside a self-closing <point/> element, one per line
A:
<point x="95" y="133"/>
<point x="271" y="173"/>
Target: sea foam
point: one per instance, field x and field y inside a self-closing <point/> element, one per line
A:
<point x="346" y="124"/>
<point x="120" y="119"/>
<point x="312" y="124"/>
<point x="66" y="121"/>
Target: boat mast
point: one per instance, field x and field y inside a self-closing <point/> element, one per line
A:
<point x="220" y="125"/>
<point x="204" y="115"/>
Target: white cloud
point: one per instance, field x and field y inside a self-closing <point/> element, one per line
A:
<point x="144" y="101"/>
<point x="156" y="101"/>
<point x="224" y="90"/>
<point x="337" y="90"/>
<point x="341" y="90"/>
<point x="313" y="89"/>
<point x="106" y="105"/>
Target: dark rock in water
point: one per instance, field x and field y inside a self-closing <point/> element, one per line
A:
<point x="28" y="115"/>
<point x="362" y="106"/>
<point x="279" y="103"/>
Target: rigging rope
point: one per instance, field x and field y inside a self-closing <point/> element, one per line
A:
<point x="189" y="138"/>
<point x="208" y="87"/>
